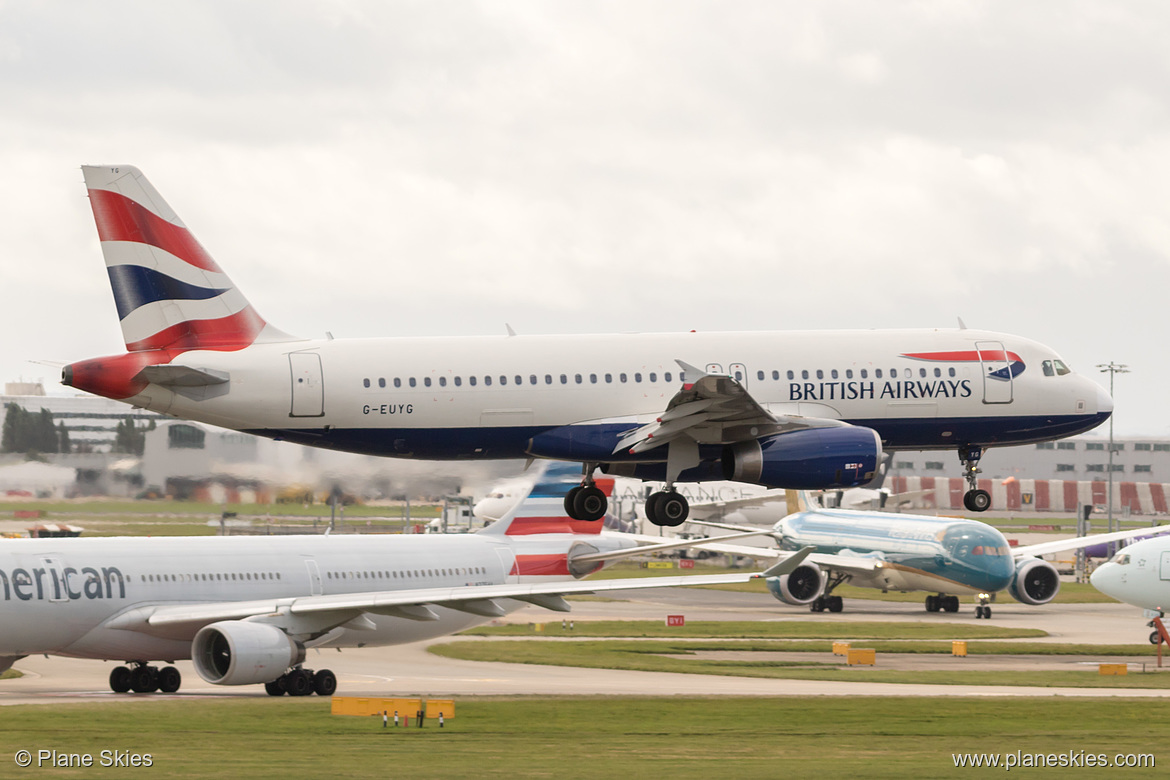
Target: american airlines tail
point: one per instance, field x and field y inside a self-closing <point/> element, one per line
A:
<point x="170" y="293"/>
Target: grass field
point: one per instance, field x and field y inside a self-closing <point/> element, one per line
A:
<point x="671" y="656"/>
<point x="748" y="629"/>
<point x="585" y="737"/>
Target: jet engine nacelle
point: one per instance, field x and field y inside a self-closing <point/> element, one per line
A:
<point x="810" y="459"/>
<point x="235" y="652"/>
<point x="801" y="586"/>
<point x="1036" y="582"/>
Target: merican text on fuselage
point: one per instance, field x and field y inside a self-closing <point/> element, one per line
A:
<point x="850" y="391"/>
<point x="39" y="583"/>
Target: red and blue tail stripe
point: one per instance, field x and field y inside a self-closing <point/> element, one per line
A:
<point x="170" y="293"/>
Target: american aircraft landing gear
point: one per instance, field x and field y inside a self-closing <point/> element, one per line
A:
<point x="974" y="499"/>
<point x="983" y="609"/>
<point x="586" y="501"/>
<point x="143" y="678"/>
<point x="941" y="603"/>
<point x="303" y="682"/>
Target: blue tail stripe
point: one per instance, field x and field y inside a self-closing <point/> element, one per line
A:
<point x="135" y="286"/>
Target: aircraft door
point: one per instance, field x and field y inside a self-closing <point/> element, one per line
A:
<point x="314" y="577"/>
<point x="308" y="385"/>
<point x="738" y="372"/>
<point x="49" y="571"/>
<point x="1164" y="569"/>
<point x="997" y="372"/>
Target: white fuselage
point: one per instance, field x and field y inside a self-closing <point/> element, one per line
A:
<point x="488" y="397"/>
<point x="79" y="597"/>
<point x="1139" y="574"/>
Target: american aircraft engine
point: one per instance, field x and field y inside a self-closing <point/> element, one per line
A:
<point x="800" y="587"/>
<point x="1036" y="582"/>
<point x="235" y="652"/>
<point x="810" y="459"/>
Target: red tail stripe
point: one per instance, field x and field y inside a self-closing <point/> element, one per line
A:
<point x="526" y="526"/>
<point x="121" y="219"/>
<point x="225" y="334"/>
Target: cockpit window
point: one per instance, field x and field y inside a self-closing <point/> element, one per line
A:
<point x="1061" y="368"/>
<point x="1121" y="559"/>
<point x="1047" y="368"/>
<point x="990" y="550"/>
<point x="1055" y="368"/>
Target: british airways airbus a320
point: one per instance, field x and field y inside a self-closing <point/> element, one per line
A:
<point x="801" y="410"/>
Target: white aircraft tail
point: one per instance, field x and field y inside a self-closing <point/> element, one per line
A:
<point x="169" y="292"/>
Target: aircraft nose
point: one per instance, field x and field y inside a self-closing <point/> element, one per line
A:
<point x="1105" y="578"/>
<point x="1104" y="402"/>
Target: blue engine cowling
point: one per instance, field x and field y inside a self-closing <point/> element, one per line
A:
<point x="809" y="459"/>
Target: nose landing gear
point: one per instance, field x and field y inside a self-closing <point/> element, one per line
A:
<point x="974" y="499"/>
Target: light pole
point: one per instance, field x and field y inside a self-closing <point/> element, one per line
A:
<point x="1113" y="369"/>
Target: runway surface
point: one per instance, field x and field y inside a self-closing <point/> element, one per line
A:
<point x="410" y="669"/>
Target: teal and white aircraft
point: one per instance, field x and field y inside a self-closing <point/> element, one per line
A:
<point x="945" y="556"/>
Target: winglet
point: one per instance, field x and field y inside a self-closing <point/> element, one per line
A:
<point x="789" y="564"/>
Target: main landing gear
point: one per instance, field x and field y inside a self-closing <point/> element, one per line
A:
<point x="143" y="678"/>
<point x="667" y="507"/>
<point x="974" y="499"/>
<point x="941" y="603"/>
<point x="303" y="682"/>
<point x="586" y="501"/>
<point x="827" y="602"/>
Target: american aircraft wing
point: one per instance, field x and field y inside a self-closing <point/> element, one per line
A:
<point x="714" y="409"/>
<point x="1075" y="543"/>
<point x="314" y="615"/>
<point x="853" y="564"/>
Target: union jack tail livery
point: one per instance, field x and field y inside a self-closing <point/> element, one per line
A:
<point x="170" y="293"/>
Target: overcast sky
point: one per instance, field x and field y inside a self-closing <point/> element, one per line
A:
<point x="395" y="168"/>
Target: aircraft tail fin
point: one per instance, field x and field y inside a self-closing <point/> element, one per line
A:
<point x="542" y="510"/>
<point x="169" y="291"/>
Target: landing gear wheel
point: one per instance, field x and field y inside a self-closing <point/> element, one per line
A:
<point x="1155" y="638"/>
<point x="977" y="500"/>
<point x="324" y="683"/>
<point x="589" y="503"/>
<point x="932" y="604"/>
<point x="275" y="688"/>
<point x="950" y="603"/>
<point x="571" y="502"/>
<point x="667" y="508"/>
<point x="298" y="682"/>
<point x="835" y="603"/>
<point x="817" y="605"/>
<point x="144" y="679"/>
<point x="987" y="613"/>
<point x="120" y="678"/>
<point x="169" y="679"/>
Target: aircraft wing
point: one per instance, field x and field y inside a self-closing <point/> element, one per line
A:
<point x="1078" y="542"/>
<point x="706" y="509"/>
<point x="314" y="615"/>
<point x="853" y="564"/>
<point x="714" y="409"/>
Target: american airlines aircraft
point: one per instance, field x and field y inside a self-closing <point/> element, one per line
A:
<point x="244" y="609"/>
<point x="804" y="410"/>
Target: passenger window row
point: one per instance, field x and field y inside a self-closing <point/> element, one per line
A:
<point x="408" y="574"/>
<point x="533" y="379"/>
<point x="210" y="576"/>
